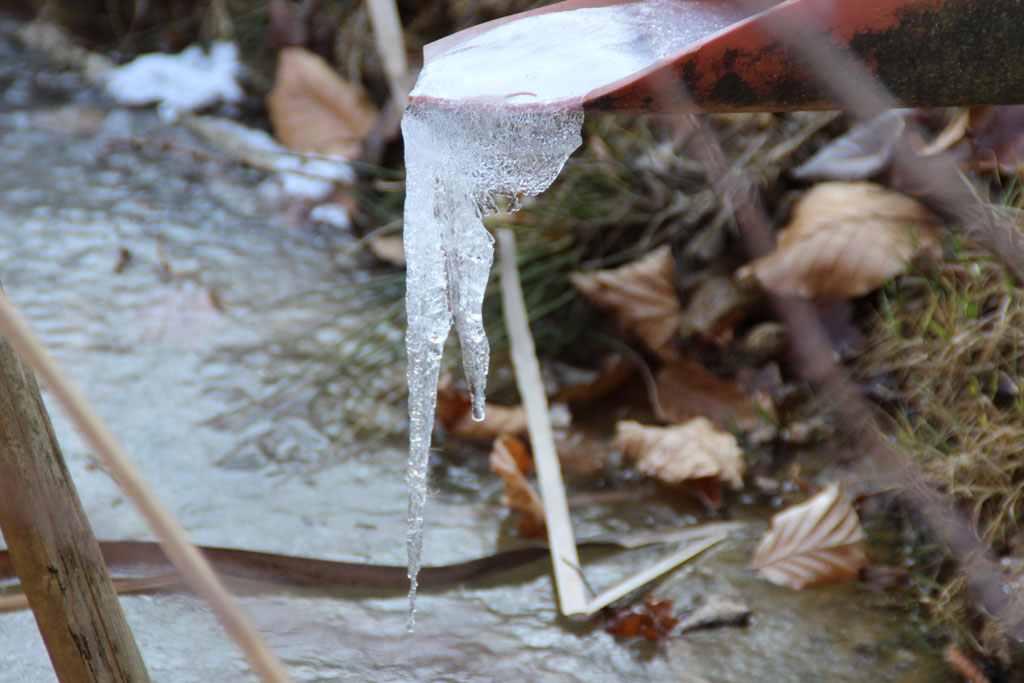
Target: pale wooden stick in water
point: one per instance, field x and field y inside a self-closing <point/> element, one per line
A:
<point x="194" y="568"/>
<point x="572" y="596"/>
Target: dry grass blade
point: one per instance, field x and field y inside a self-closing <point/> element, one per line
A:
<point x="572" y="596"/>
<point x="816" y="543"/>
<point x="508" y="457"/>
<point x="390" y="41"/>
<point x="695" y="450"/>
<point x="845" y="240"/>
<point x="187" y="559"/>
<point x="313" y="110"/>
<point x="642" y="296"/>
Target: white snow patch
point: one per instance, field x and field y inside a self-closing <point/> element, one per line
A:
<point x="186" y="81"/>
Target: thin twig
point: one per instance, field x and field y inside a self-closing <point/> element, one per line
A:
<point x="194" y="569"/>
<point x="572" y="595"/>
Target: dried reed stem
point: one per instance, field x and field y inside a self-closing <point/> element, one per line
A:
<point x="572" y="595"/>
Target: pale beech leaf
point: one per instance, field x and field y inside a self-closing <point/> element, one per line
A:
<point x="312" y="109"/>
<point x="509" y="461"/>
<point x="690" y="451"/>
<point x="641" y="295"/>
<point x="816" y="543"/>
<point x="845" y="240"/>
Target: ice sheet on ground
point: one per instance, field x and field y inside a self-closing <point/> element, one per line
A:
<point x="563" y="55"/>
<point x="186" y="81"/>
<point x="298" y="175"/>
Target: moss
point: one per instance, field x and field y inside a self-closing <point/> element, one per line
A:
<point x="953" y="340"/>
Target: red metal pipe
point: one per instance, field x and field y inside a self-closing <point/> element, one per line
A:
<point x="924" y="52"/>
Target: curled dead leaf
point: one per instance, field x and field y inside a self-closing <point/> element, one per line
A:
<point x="312" y="109"/>
<point x="653" y="620"/>
<point x="846" y="239"/>
<point x="641" y="295"/>
<point x="455" y="414"/>
<point x="687" y="390"/>
<point x="997" y="134"/>
<point x="715" y="307"/>
<point x="694" y="453"/>
<point x="862" y="152"/>
<point x="816" y="543"/>
<point x="573" y="385"/>
<point x="511" y="462"/>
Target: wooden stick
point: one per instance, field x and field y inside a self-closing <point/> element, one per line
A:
<point x="194" y="569"/>
<point x="572" y="593"/>
<point x="51" y="545"/>
<point x="19" y="601"/>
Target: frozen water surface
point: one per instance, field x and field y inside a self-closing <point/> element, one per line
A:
<point x="159" y="361"/>
<point x="476" y="140"/>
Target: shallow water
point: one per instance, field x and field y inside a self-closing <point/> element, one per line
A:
<point x="160" y="358"/>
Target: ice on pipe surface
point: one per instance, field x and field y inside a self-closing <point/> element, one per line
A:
<point x="469" y="134"/>
<point x="564" y="55"/>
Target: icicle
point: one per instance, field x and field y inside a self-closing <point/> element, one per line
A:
<point x="455" y="160"/>
<point x="484" y="135"/>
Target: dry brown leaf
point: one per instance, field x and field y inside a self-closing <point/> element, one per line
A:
<point x="816" y="543"/>
<point x="574" y="385"/>
<point x="508" y="457"/>
<point x="653" y="620"/>
<point x="313" y="110"/>
<point x="846" y="239"/>
<point x="997" y="134"/>
<point x="389" y="249"/>
<point x="716" y="305"/>
<point x="694" y="451"/>
<point x="642" y="296"/>
<point x="687" y="390"/>
<point x="454" y="412"/>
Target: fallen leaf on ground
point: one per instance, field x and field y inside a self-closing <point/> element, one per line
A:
<point x="454" y="412"/>
<point x="312" y="109"/>
<point x="652" y="620"/>
<point x="511" y="462"/>
<point x="687" y="390"/>
<point x="816" y="543"/>
<point x="715" y="307"/>
<point x="714" y="611"/>
<point x="581" y="453"/>
<point x="862" y="152"/>
<point x="389" y="249"/>
<point x="846" y="239"/>
<point x="998" y="137"/>
<point x="572" y="385"/>
<point x="641" y="295"/>
<point x="695" y="454"/>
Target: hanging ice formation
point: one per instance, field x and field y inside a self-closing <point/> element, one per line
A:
<point x="500" y="114"/>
